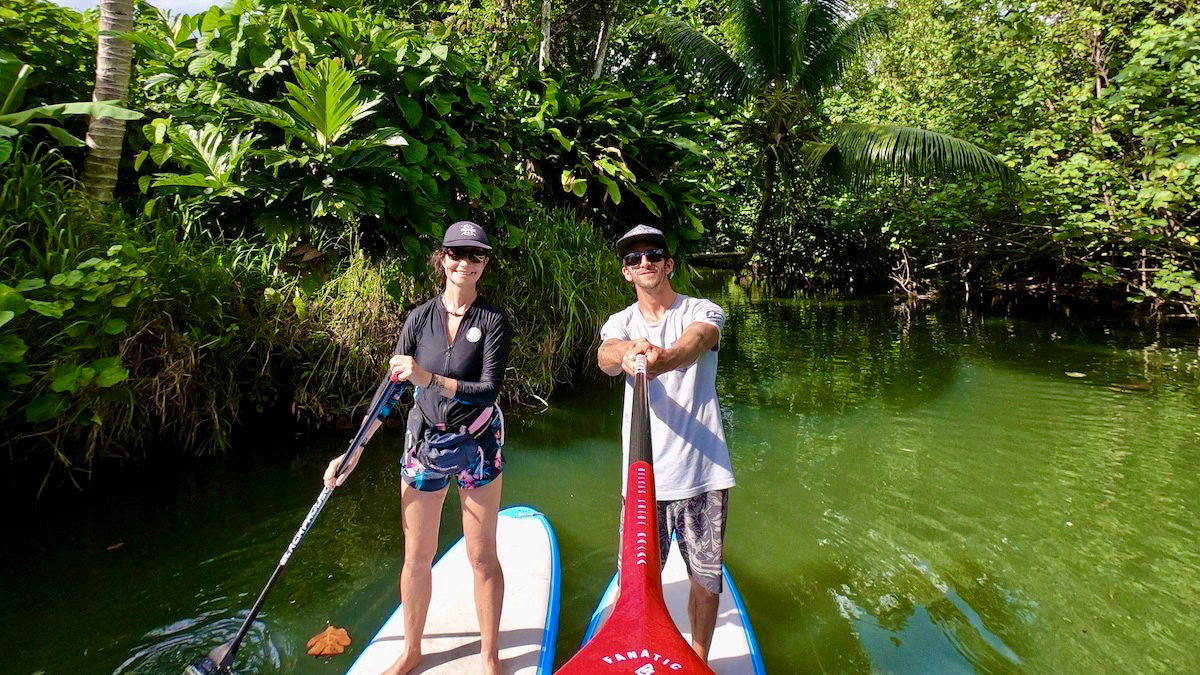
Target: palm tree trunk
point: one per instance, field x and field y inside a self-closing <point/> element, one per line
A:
<point x="106" y="136"/>
<point x="544" y="50"/>
<point x="764" y="209"/>
<point x="602" y="43"/>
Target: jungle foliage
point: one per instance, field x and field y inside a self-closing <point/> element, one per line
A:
<point x="1097" y="105"/>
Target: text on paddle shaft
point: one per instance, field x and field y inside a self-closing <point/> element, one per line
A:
<point x="642" y="509"/>
<point x="308" y="521"/>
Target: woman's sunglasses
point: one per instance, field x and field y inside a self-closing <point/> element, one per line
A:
<point x="473" y="254"/>
<point x="654" y="255"/>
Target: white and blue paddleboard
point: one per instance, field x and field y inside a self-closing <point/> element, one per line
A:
<point x="528" y="553"/>
<point x="734" y="648"/>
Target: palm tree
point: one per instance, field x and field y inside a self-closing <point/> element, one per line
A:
<point x="786" y="54"/>
<point x="106" y="135"/>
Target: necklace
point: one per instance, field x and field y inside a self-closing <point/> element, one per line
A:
<point x="452" y="312"/>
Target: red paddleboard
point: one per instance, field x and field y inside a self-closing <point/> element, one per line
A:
<point x="639" y="637"/>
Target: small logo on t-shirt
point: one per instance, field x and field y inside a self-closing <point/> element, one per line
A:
<point x="474" y="334"/>
<point x="713" y="315"/>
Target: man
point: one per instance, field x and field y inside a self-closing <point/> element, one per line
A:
<point x="679" y="335"/>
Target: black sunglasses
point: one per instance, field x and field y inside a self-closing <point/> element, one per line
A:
<point x="654" y="255"/>
<point x="475" y="255"/>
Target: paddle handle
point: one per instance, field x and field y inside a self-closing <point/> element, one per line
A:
<point x="640" y="447"/>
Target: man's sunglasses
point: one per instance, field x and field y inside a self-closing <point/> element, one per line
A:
<point x="654" y="255"/>
<point x="475" y="255"/>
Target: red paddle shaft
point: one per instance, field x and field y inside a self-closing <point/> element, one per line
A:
<point x="639" y="637"/>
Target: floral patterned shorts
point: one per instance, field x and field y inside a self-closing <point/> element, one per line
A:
<point x="483" y="470"/>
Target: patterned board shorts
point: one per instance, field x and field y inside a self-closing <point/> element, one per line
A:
<point x="483" y="470"/>
<point x="699" y="526"/>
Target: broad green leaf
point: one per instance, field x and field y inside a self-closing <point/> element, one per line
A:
<point x="687" y="144"/>
<point x="19" y="379"/>
<point x="415" y="151"/>
<point x="474" y="187"/>
<point x="516" y="236"/>
<point x="114" y="325"/>
<point x="410" y="108"/>
<point x="109" y="371"/>
<point x="13" y="77"/>
<point x="441" y="103"/>
<point x="650" y="205"/>
<point x="160" y="153"/>
<point x="12" y="301"/>
<point x="53" y="310"/>
<point x="31" y="284"/>
<point x="496" y="196"/>
<point x="45" y="407"/>
<point x="64" y="138"/>
<point x="558" y="136"/>
<point x="210" y="92"/>
<point x="12" y="349"/>
<point x="478" y="93"/>
<point x="6" y="315"/>
<point x="412" y="246"/>
<point x="57" y="111"/>
<point x="65" y="378"/>
<point x="614" y="191"/>
<point x="193" y="180"/>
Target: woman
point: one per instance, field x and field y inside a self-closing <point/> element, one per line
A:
<point x="454" y="348"/>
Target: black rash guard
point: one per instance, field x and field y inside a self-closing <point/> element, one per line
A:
<point x="477" y="359"/>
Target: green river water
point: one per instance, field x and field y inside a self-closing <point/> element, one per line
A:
<point x="923" y="490"/>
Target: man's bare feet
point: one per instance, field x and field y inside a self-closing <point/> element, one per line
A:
<point x="491" y="665"/>
<point x="407" y="661"/>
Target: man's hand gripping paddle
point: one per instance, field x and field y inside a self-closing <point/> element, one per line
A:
<point x="639" y="636"/>
<point x="220" y="660"/>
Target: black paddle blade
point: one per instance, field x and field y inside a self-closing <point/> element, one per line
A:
<point x="209" y="665"/>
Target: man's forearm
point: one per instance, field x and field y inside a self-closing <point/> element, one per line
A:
<point x="696" y="339"/>
<point x="610" y="355"/>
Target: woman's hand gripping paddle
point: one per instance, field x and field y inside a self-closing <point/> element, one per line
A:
<point x="639" y="636"/>
<point x="221" y="659"/>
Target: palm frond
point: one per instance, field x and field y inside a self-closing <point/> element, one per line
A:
<point x="700" y="55"/>
<point x="817" y="157"/>
<point x="817" y="22"/>
<point x="765" y="32"/>
<point x="863" y="153"/>
<point x="828" y="64"/>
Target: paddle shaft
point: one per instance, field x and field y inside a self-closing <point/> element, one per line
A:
<point x="640" y="630"/>
<point x="375" y="417"/>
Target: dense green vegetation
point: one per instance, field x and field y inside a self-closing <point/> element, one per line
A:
<point x="296" y="163"/>
<point x="1097" y="105"/>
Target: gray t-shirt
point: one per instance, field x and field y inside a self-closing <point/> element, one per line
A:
<point x="690" y="453"/>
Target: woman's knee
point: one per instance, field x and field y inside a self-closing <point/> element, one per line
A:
<point x="419" y="555"/>
<point x="484" y="561"/>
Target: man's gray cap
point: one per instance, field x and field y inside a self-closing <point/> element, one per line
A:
<point x="642" y="234"/>
<point x="465" y="233"/>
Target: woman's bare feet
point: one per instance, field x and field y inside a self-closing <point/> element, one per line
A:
<point x="407" y="661"/>
<point x="491" y="665"/>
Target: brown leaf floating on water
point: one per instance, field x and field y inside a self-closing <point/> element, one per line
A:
<point x="329" y="642"/>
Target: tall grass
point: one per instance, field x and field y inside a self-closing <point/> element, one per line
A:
<point x="560" y="285"/>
